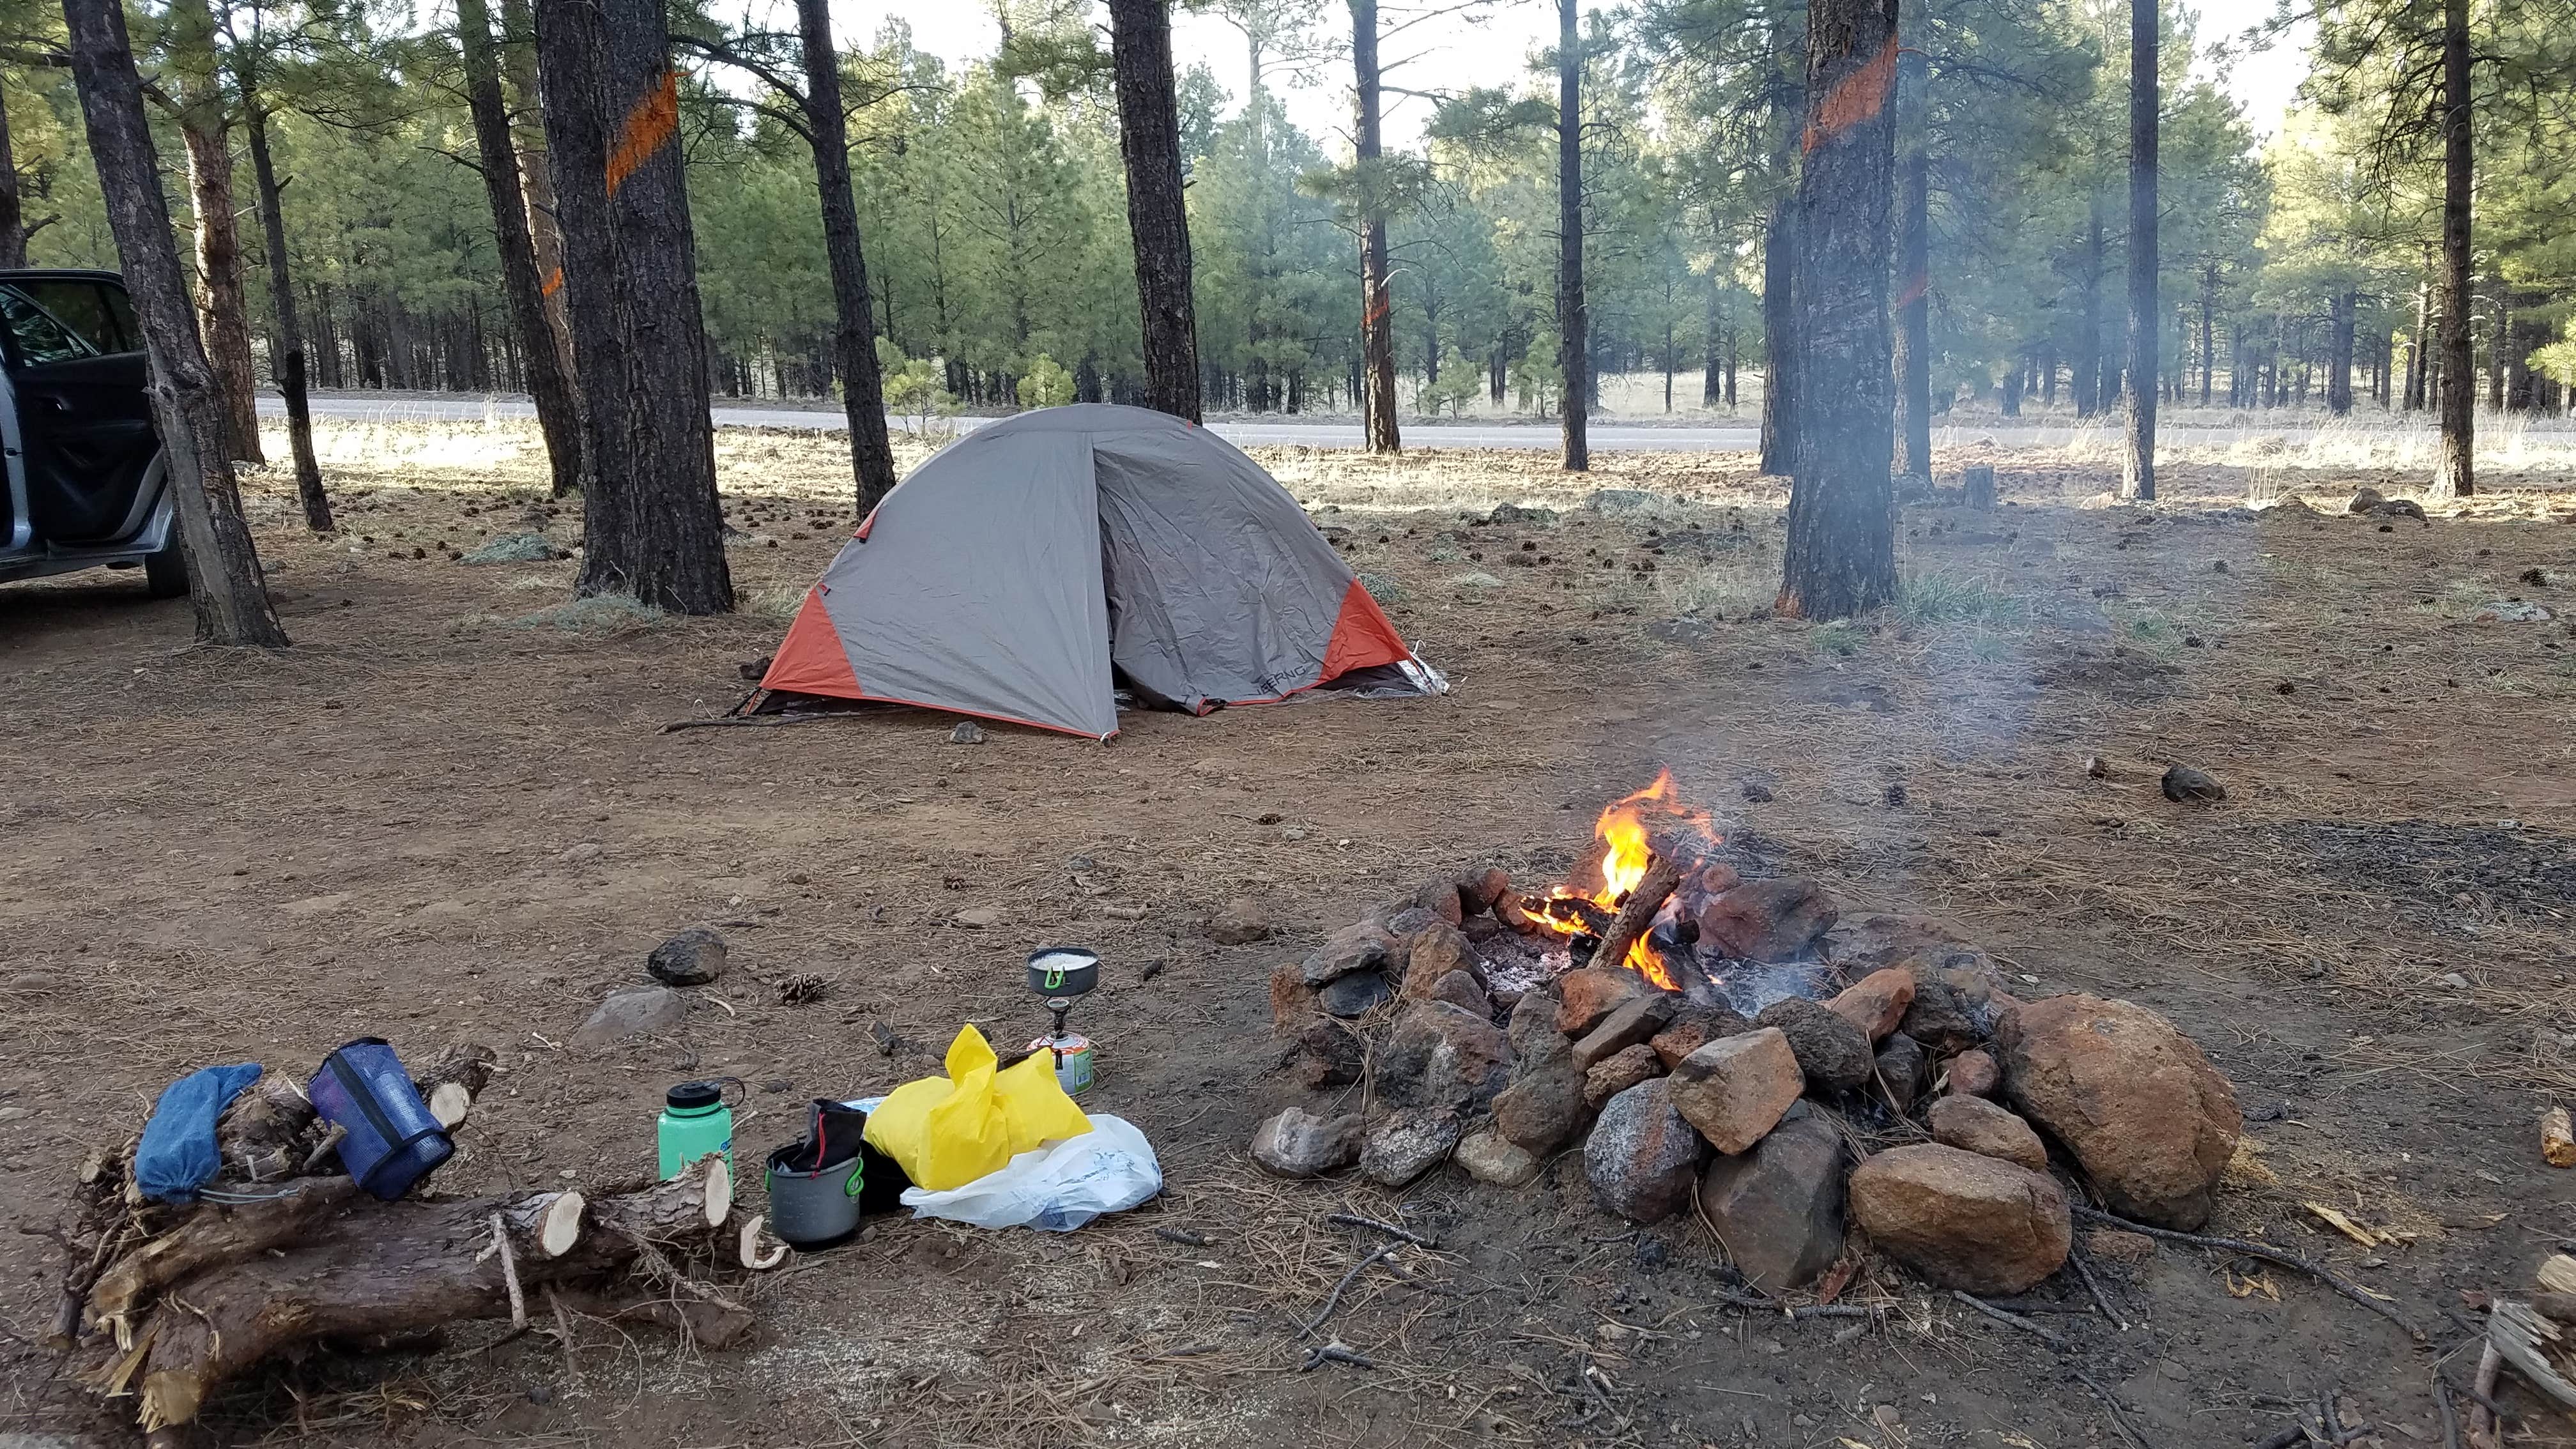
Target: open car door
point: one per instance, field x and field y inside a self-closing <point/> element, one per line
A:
<point x="85" y="435"/>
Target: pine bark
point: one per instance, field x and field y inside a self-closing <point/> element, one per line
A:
<point x="2339" y="355"/>
<point x="1573" y="319"/>
<point x="2085" y="373"/>
<point x="651" y="524"/>
<point x="536" y="174"/>
<point x="854" y="333"/>
<point x="290" y="361"/>
<point x="1377" y="300"/>
<point x="13" y="202"/>
<point x="2138" y="463"/>
<point x="1840" y="557"/>
<point x="550" y="384"/>
<point x="222" y="312"/>
<point x="1780" y="339"/>
<point x="2454" y="471"/>
<point x="1913" y="267"/>
<point x="225" y="584"/>
<point x="1149" y="139"/>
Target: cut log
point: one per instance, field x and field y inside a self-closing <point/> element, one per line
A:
<point x="271" y="1131"/>
<point x="449" y="1102"/>
<point x="2527" y="1341"/>
<point x="1663" y="875"/>
<point x="547" y="1225"/>
<point x="1978" y="484"/>
<point x="757" y="1257"/>
<point x="210" y="1237"/>
<point x="389" y="1268"/>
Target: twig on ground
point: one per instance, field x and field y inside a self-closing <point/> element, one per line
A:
<point x="1335" y="1300"/>
<point x="563" y="1337"/>
<point x="2119" y="1420"/>
<point x="2092" y="1285"/>
<point x="2450" y="1414"/>
<point x="1799" y="1314"/>
<point x="2265" y="1252"/>
<point x="2485" y="1424"/>
<point x="1354" y="1220"/>
<point x="510" y="1275"/>
<point x="2046" y="1336"/>
<point x="1182" y="1236"/>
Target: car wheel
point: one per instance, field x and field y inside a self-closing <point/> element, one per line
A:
<point x="165" y="574"/>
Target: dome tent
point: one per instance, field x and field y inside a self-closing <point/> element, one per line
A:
<point x="1025" y="571"/>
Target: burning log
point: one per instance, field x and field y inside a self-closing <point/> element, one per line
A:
<point x="1663" y="875"/>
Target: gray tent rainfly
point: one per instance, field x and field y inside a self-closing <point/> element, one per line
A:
<point x="1027" y="570"/>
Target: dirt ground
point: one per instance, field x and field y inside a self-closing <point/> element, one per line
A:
<point x="214" y="856"/>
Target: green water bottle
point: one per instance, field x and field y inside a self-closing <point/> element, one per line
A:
<point x="695" y="1121"/>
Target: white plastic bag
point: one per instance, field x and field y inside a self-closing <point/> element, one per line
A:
<point x="1057" y="1186"/>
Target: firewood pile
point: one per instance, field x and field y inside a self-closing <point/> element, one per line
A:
<point x="165" y="1304"/>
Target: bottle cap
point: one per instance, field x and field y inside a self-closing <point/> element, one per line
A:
<point x="693" y="1096"/>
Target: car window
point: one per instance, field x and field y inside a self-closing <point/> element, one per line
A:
<point x="36" y="335"/>
<point x="96" y="313"/>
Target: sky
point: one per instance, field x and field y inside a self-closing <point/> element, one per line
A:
<point x="1491" y="47"/>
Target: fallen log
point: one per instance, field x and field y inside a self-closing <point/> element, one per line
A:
<point x="372" y="1269"/>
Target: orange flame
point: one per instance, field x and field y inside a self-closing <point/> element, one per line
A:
<point x="1622" y="830"/>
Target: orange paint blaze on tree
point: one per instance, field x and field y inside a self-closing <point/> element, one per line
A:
<point x="1855" y="98"/>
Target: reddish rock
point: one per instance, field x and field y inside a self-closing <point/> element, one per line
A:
<point x="1779" y="1208"/>
<point x="1460" y="990"/>
<point x="1360" y="946"/>
<point x="1292" y="1001"/>
<point x="2150" y="1120"/>
<point x="1631" y="1024"/>
<point x="1587" y="994"/>
<point x="1434" y="951"/>
<point x="1875" y="940"/>
<point x="1480" y="889"/>
<point x="1694" y="1027"/>
<point x="1962" y="1220"/>
<point x="1642" y="1157"/>
<point x="1833" y="1053"/>
<point x="1973" y="1124"/>
<point x="1876" y="1003"/>
<point x="1240" y="922"/>
<point x="1543" y="1113"/>
<point x="1299" y="1143"/>
<point x="1974" y="1074"/>
<point x="1618" y="1072"/>
<point x="1767" y="920"/>
<point x="1440" y="898"/>
<point x="1536" y="1043"/>
<point x="1735" y="1088"/>
<point x="1442" y="1056"/>
<point x="1508" y="911"/>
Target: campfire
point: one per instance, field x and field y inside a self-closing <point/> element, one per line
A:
<point x="1700" y="1028"/>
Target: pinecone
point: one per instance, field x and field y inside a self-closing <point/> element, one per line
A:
<point x="801" y="988"/>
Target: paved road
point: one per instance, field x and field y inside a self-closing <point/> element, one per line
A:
<point x="1612" y="437"/>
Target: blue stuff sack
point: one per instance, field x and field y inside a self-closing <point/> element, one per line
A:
<point x="177" y="1155"/>
<point x="390" y="1140"/>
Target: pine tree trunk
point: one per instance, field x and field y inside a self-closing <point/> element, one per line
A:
<point x="2138" y="463"/>
<point x="1780" y="339"/>
<point x="13" y="204"/>
<point x="536" y="176"/>
<point x="2455" y="472"/>
<point x="2502" y="324"/>
<point x="854" y="343"/>
<point x="1573" y="320"/>
<point x="1840" y="557"/>
<point x="222" y="312"/>
<point x="224" y="579"/>
<point x="651" y="525"/>
<point x="2208" y="331"/>
<point x="2339" y="355"/>
<point x="2086" y="381"/>
<point x="1377" y="302"/>
<point x="2012" y="389"/>
<point x="1712" y="386"/>
<point x="290" y="329"/>
<point x="1913" y="267"/>
<point x="550" y="384"/>
<point x="1149" y="138"/>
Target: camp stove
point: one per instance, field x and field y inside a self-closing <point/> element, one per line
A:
<point x="1061" y="975"/>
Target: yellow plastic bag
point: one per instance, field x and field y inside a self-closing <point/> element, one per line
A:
<point x="948" y="1131"/>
